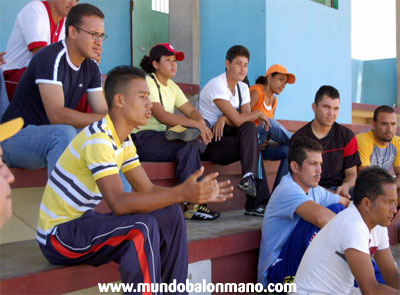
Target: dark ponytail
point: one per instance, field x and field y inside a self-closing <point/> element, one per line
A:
<point x="261" y="80"/>
<point x="147" y="65"/>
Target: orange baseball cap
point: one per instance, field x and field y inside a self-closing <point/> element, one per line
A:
<point x="281" y="70"/>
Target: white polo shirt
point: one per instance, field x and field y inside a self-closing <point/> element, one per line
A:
<point x="34" y="27"/>
<point x="217" y="88"/>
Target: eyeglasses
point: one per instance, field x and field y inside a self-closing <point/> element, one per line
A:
<point x="95" y="36"/>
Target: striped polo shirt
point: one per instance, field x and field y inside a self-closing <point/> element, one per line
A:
<point x="71" y="190"/>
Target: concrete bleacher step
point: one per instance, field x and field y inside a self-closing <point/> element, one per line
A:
<point x="230" y="242"/>
<point x="163" y="174"/>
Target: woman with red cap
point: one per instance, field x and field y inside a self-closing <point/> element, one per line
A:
<point x="168" y="136"/>
<point x="263" y="98"/>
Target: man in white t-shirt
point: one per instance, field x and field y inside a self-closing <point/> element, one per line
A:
<point x="341" y="252"/>
<point x="225" y="103"/>
<point x="38" y="24"/>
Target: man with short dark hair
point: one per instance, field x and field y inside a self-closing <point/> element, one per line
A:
<point x="225" y="103"/>
<point x="341" y="252"/>
<point x="298" y="208"/>
<point x="340" y="156"/>
<point x="52" y="87"/>
<point x="381" y="146"/>
<point x="146" y="231"/>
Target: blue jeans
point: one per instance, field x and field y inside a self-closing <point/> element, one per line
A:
<point x="273" y="152"/>
<point x="4" y="102"/>
<point x="35" y="147"/>
<point x="285" y="266"/>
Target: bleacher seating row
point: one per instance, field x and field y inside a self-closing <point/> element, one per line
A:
<point x="233" y="245"/>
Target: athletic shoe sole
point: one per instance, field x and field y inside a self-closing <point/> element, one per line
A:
<point x="253" y="214"/>
<point x="189" y="134"/>
<point x="198" y="216"/>
<point x="249" y="192"/>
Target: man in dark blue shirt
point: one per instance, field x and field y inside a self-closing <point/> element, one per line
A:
<point x="51" y="88"/>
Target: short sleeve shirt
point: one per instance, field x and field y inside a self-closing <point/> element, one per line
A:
<point x="172" y="98"/>
<point x="281" y="218"/>
<point x="268" y="110"/>
<point x="34" y="27"/>
<point x="372" y="153"/>
<point x="94" y="153"/>
<point x="324" y="268"/>
<point x="52" y="65"/>
<point x="217" y="88"/>
<point x="340" y="152"/>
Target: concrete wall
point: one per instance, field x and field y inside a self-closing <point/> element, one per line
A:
<point x="374" y="81"/>
<point x="379" y="83"/>
<point x="117" y="24"/>
<point x="185" y="36"/>
<point x="313" y="42"/>
<point x="310" y="39"/>
<point x="225" y="23"/>
<point x="356" y="79"/>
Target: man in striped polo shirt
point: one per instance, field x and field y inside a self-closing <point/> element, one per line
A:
<point x="145" y="232"/>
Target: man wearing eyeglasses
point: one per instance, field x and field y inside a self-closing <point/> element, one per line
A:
<point x="37" y="25"/>
<point x="51" y="88"/>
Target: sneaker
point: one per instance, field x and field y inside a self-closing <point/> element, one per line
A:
<point x="179" y="132"/>
<point x="248" y="185"/>
<point x="200" y="212"/>
<point x="256" y="211"/>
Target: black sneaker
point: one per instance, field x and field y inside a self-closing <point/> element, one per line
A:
<point x="248" y="185"/>
<point x="179" y="132"/>
<point x="256" y="211"/>
<point x="200" y="212"/>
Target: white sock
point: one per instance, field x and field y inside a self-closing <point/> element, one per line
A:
<point x="248" y="174"/>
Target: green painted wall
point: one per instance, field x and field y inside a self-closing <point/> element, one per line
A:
<point x="149" y="28"/>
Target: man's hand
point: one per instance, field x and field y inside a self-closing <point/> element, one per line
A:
<point x="264" y="145"/>
<point x="207" y="190"/>
<point x="2" y="59"/>
<point x="344" y="190"/>
<point x="344" y="201"/>
<point x="206" y="133"/>
<point x="99" y="55"/>
<point x="264" y="121"/>
<point x="218" y="130"/>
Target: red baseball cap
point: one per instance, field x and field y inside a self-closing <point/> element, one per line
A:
<point x="165" y="49"/>
<point x="281" y="70"/>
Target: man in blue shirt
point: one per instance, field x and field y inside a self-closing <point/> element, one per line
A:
<point x="295" y="213"/>
<point x="50" y="90"/>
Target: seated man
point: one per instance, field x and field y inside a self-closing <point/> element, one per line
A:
<point x="380" y="146"/>
<point x="341" y="251"/>
<point x="148" y="221"/>
<point x="50" y="90"/>
<point x="340" y="156"/>
<point x="4" y="102"/>
<point x="295" y="213"/>
<point x="6" y="177"/>
<point x="225" y="103"/>
<point x="38" y="24"/>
